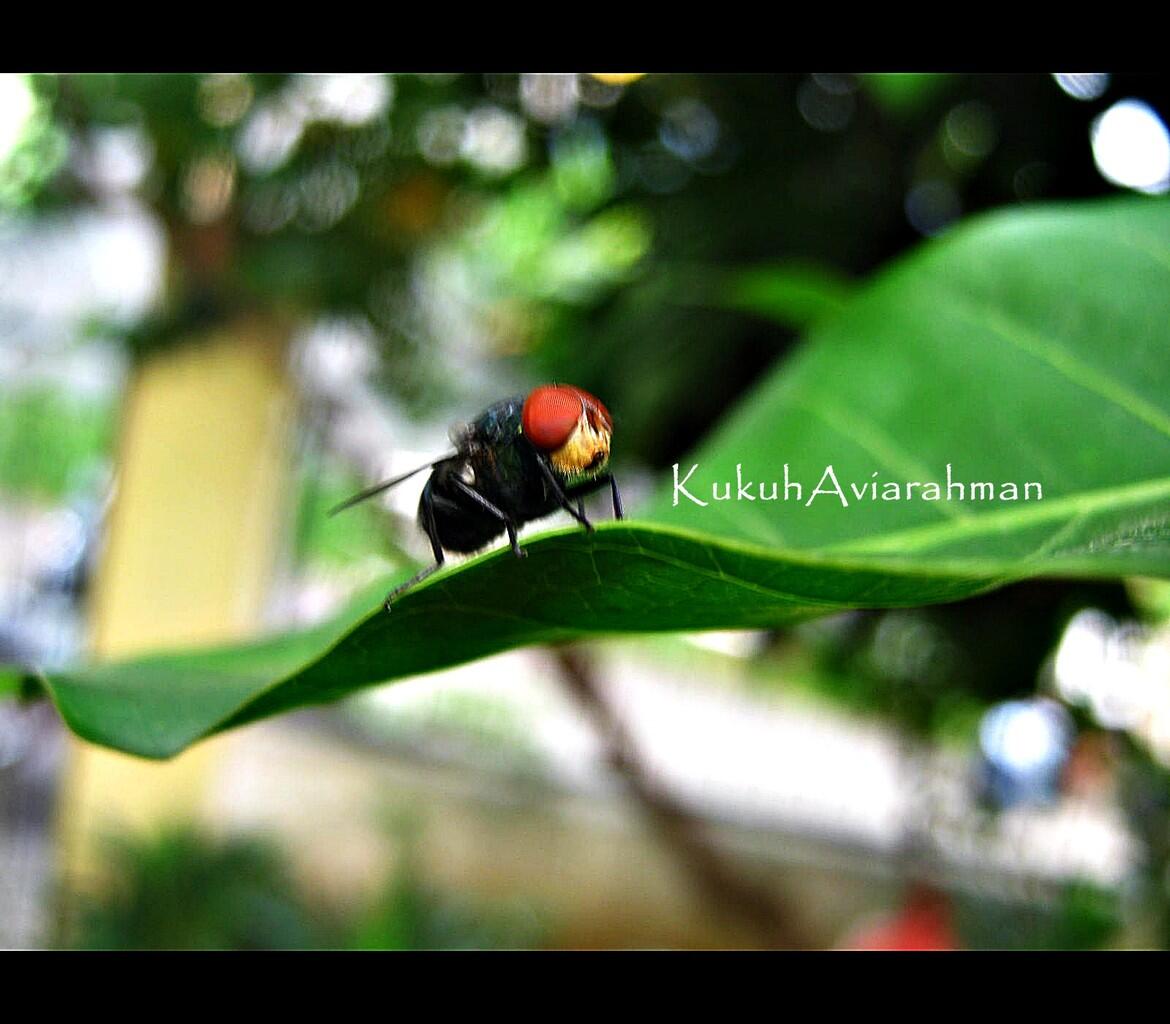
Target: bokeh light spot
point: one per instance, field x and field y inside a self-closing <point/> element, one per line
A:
<point x="224" y="99"/>
<point x="931" y="205"/>
<point x="1083" y="87"/>
<point x="549" y="98"/>
<point x="326" y="194"/>
<point x="824" y="110"/>
<point x="970" y="132"/>
<point x="593" y="92"/>
<point x="115" y="160"/>
<point x="347" y="99"/>
<point x="493" y="140"/>
<point x="208" y="187"/>
<point x="1131" y="147"/>
<point x="1030" y="181"/>
<point x="836" y="84"/>
<point x="689" y="130"/>
<point x="268" y="137"/>
<point x="440" y="135"/>
<point x="618" y="79"/>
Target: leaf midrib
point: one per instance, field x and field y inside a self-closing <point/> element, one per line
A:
<point x="1084" y="502"/>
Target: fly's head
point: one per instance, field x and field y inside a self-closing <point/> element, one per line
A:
<point x="572" y="428"/>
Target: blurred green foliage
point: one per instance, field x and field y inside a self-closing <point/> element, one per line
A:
<point x="327" y="541"/>
<point x="905" y="94"/>
<point x="276" y="194"/>
<point x="183" y="890"/>
<point x="49" y="440"/>
<point x="1151" y="598"/>
<point x="412" y="915"/>
<point x="1081" y="917"/>
<point x="40" y="149"/>
<point x="285" y="193"/>
<point x="11" y="681"/>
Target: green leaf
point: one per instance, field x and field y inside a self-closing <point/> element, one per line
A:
<point x="794" y="294"/>
<point x="626" y="578"/>
<point x="1030" y="345"/>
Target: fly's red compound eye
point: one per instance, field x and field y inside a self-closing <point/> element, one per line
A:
<point x="551" y="413"/>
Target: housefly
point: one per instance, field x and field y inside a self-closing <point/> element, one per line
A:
<point x="519" y="460"/>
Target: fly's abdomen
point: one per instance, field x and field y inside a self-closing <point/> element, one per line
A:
<point x="461" y="524"/>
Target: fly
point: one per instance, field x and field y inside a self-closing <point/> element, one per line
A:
<point x="521" y="459"/>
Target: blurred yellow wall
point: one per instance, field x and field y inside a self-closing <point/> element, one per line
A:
<point x="190" y="546"/>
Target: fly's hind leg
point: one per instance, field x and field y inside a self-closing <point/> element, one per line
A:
<point x="432" y="531"/>
<point x="517" y="550"/>
<point x="418" y="577"/>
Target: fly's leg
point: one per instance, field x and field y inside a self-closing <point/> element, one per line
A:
<point x="432" y="532"/>
<point x="617" y="498"/>
<point x="562" y="498"/>
<point x="506" y="522"/>
<point x="418" y="577"/>
<point x="517" y="550"/>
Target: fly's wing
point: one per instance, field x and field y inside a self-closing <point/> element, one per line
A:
<point x="462" y="436"/>
<point x="385" y="485"/>
<point x="497" y="424"/>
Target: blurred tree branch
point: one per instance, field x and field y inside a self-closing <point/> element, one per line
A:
<point x="728" y="890"/>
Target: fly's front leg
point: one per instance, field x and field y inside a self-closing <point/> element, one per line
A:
<point x="562" y="498"/>
<point x="618" y="513"/>
<point x="505" y="521"/>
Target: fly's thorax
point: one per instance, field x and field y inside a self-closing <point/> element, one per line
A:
<point x="496" y="425"/>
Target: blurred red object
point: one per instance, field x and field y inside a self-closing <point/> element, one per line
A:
<point x="1091" y="770"/>
<point x="923" y="923"/>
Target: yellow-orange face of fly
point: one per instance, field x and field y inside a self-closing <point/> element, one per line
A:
<point x="572" y="427"/>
